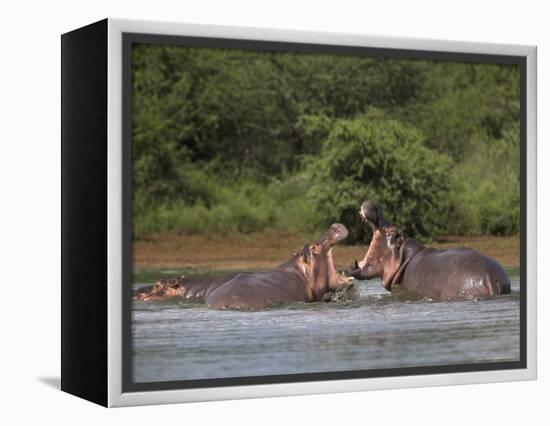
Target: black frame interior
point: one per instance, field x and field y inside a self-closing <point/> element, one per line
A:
<point x="84" y="144"/>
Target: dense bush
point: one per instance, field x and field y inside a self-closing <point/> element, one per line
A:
<point x="384" y="161"/>
<point x="485" y="198"/>
<point x="240" y="206"/>
<point x="227" y="140"/>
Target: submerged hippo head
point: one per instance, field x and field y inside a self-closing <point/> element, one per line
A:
<point x="317" y="264"/>
<point x="384" y="257"/>
<point x="160" y="290"/>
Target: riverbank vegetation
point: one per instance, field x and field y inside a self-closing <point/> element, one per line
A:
<point x="227" y="141"/>
<point x="203" y="254"/>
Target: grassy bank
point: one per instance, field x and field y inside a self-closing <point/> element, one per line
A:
<point x="268" y="249"/>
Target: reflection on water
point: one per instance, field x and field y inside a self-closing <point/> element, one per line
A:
<point x="178" y="341"/>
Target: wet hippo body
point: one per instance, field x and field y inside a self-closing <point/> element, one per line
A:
<point x="460" y="273"/>
<point x="193" y="290"/>
<point x="258" y="290"/>
<point x="455" y="274"/>
<point x="306" y="277"/>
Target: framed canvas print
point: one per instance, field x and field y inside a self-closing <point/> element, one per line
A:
<point x="252" y="212"/>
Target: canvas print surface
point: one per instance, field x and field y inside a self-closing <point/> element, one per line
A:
<point x="298" y="213"/>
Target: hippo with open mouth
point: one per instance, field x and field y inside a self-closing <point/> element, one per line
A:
<point x="459" y="273"/>
<point x="162" y="289"/>
<point x="306" y="277"/>
<point x="192" y="290"/>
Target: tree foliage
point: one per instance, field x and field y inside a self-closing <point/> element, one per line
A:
<point x="385" y="161"/>
<point x="240" y="141"/>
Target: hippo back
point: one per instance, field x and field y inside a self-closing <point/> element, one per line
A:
<point x="258" y="290"/>
<point x="460" y="273"/>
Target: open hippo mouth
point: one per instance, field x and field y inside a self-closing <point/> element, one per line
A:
<point x="317" y="263"/>
<point x="370" y="213"/>
<point x="336" y="233"/>
<point x="373" y="213"/>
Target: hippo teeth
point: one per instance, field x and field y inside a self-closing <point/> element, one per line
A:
<point x="344" y="279"/>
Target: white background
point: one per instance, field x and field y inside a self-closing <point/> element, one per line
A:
<point x="30" y="209"/>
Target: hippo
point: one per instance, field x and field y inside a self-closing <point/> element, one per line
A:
<point x="194" y="290"/>
<point x="401" y="261"/>
<point x="308" y="276"/>
<point x="161" y="290"/>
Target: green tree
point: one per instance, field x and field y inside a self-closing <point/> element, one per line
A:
<point x="384" y="161"/>
<point x="211" y="126"/>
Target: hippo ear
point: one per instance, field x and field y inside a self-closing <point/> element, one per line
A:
<point x="405" y="256"/>
<point x="396" y="241"/>
<point x="400" y="238"/>
<point x="306" y="253"/>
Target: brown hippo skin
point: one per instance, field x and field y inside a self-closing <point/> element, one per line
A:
<point x="193" y="290"/>
<point x="306" y="277"/>
<point x="455" y="274"/>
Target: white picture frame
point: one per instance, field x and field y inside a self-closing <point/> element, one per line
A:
<point x="115" y="250"/>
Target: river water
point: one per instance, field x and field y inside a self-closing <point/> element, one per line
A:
<point x="178" y="341"/>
